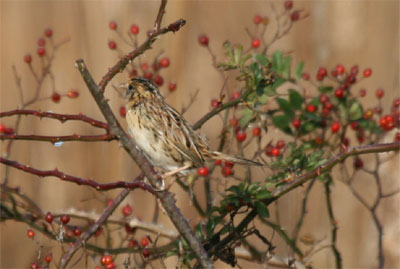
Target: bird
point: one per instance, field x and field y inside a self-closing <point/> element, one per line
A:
<point x="168" y="141"/>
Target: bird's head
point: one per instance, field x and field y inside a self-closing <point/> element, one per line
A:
<point x="141" y="89"/>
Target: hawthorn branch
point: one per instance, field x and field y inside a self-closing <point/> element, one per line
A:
<point x="80" y="181"/>
<point x="61" y="117"/>
<point x="165" y="197"/>
<point x="55" y="139"/>
<point x="173" y="27"/>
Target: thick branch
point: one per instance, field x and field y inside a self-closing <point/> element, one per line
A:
<point x="61" y="117"/>
<point x="55" y="139"/>
<point x="165" y="197"/>
<point x="80" y="181"/>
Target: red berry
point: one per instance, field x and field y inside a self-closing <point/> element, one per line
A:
<point x="355" y="125"/>
<point x="280" y="144"/>
<point x="351" y="79"/>
<point x="326" y="111"/>
<point x="234" y="122"/>
<point x="396" y="102"/>
<point x="255" y="43"/>
<point x="295" y="16"/>
<point x="122" y="111"/>
<point x="65" y="219"/>
<point x="241" y="136"/>
<point x="77" y="232"/>
<point x="275" y="152"/>
<point x="8" y="130"/>
<point x="363" y="92"/>
<point x="127" y="210"/>
<point x="319" y="77"/>
<point x="319" y="140"/>
<point x="345" y="141"/>
<point x="339" y="93"/>
<point x="226" y="171"/>
<point x="144" y="66"/>
<point x="164" y="62"/>
<point x="2" y="128"/>
<point x="397" y="137"/>
<point x="203" y="40"/>
<point x="48" y="258"/>
<point x="378" y="109"/>
<point x="334" y="73"/>
<point x="110" y="266"/>
<point x="113" y="25"/>
<point x="133" y="243"/>
<point x="268" y="150"/>
<point x="41" y="51"/>
<point x="28" y="58"/>
<point x="98" y="232"/>
<point x="172" y="86"/>
<point x="48" y="32"/>
<point x="49" y="217"/>
<point x="202" y="171"/>
<point x="358" y="163"/>
<point x="257" y="19"/>
<point x="340" y="69"/>
<point x="112" y="45"/>
<point x="228" y="164"/>
<point x="354" y="70"/>
<point x="145" y="241"/>
<point x="134" y="29"/>
<point x="296" y="123"/>
<point x="367" y="72"/>
<point x="106" y="259"/>
<point x="323" y="98"/>
<point x="146" y="253"/>
<point x="379" y="93"/>
<point x="387" y="122"/>
<point x="41" y="42"/>
<point x="159" y="80"/>
<point x="214" y="103"/>
<point x="305" y="76"/>
<point x="218" y="162"/>
<point x="236" y="95"/>
<point x="148" y="76"/>
<point x="72" y="94"/>
<point x="322" y="71"/>
<point x="335" y="127"/>
<point x="56" y="97"/>
<point x="256" y="131"/>
<point x="30" y="233"/>
<point x="34" y="265"/>
<point x="288" y="4"/>
<point x="311" y="108"/>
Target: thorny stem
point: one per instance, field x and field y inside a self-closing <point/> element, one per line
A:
<point x="338" y="257"/>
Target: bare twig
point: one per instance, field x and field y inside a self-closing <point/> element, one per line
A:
<point x="64" y="138"/>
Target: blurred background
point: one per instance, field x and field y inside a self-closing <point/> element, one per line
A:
<point x="363" y="33"/>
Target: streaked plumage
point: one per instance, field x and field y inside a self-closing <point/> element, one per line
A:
<point x="163" y="134"/>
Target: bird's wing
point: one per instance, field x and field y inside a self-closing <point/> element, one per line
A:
<point x="181" y="135"/>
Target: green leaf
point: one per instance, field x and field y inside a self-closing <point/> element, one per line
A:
<point x="295" y="99"/>
<point x="355" y="111"/>
<point x="228" y="49"/>
<point x="282" y="122"/>
<point x="262" y="59"/>
<point x="262" y="99"/>
<point x="277" y="59"/>
<point x="285" y="107"/>
<point x="270" y="91"/>
<point x="263" y="194"/>
<point x="325" y="89"/>
<point x="256" y="71"/>
<point x="237" y="54"/>
<point x="342" y="111"/>
<point x="247" y="116"/>
<point x="299" y="70"/>
<point x="262" y="209"/>
<point x="285" y="69"/>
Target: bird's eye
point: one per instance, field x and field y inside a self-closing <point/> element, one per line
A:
<point x="130" y="87"/>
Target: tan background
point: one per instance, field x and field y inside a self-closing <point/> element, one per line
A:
<point x="348" y="32"/>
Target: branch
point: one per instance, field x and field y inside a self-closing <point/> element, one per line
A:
<point x="173" y="27"/>
<point x="61" y="117"/>
<point x="165" y="197"/>
<point x="300" y="180"/>
<point x="55" y="139"/>
<point x="80" y="181"/>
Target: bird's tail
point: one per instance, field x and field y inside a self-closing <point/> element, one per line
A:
<point x="239" y="160"/>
